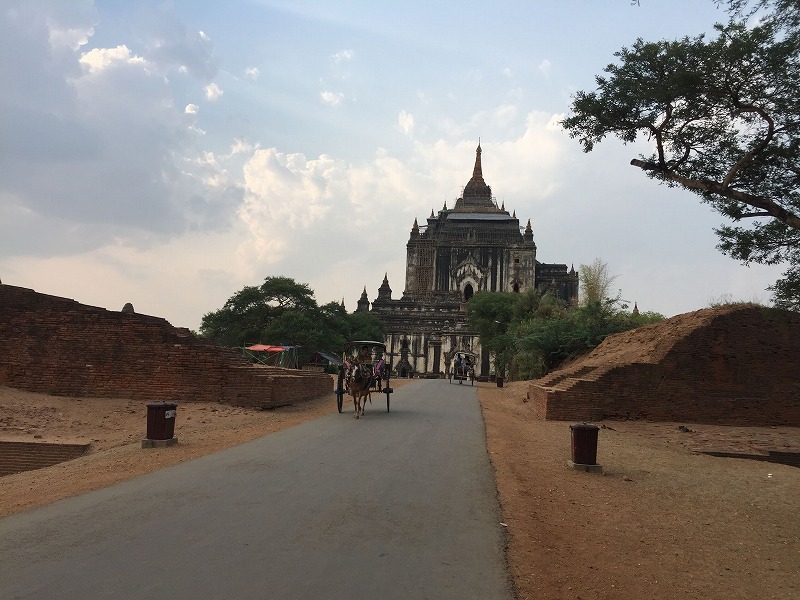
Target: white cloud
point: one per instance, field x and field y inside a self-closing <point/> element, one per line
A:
<point x="332" y="98"/>
<point x="554" y="123"/>
<point x="168" y="44"/>
<point x="241" y="146"/>
<point x="70" y="38"/>
<point x="405" y="121"/>
<point x="544" y="67"/>
<point x="98" y="59"/>
<point x="505" y="115"/>
<point x="288" y="187"/>
<point x="343" y="56"/>
<point x="213" y="92"/>
<point x="191" y="109"/>
<point x="251" y="73"/>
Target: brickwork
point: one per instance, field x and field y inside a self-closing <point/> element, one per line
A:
<point x="729" y="365"/>
<point x="16" y="457"/>
<point x="59" y="346"/>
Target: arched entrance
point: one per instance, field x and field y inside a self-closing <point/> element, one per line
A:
<point x="468" y="292"/>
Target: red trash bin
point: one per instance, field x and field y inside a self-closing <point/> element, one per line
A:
<point x="584" y="443"/>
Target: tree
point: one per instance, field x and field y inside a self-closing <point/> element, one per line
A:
<point x="284" y="293"/>
<point x="530" y="334"/>
<point x="722" y="116"/>
<point x="240" y="320"/>
<point x="595" y="282"/>
<point x="284" y="312"/>
<point x="490" y="314"/>
<point x="782" y="14"/>
<point x="249" y="314"/>
<point x="364" y="326"/>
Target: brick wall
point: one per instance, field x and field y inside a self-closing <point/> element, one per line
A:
<point x="59" y="346"/>
<point x="16" y="457"/>
<point x="731" y="365"/>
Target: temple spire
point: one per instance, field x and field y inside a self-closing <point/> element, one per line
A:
<point x="476" y="197"/>
<point x="477" y="172"/>
<point x="363" y="302"/>
<point x="385" y="292"/>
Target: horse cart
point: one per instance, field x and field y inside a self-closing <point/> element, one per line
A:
<point x="364" y="370"/>
<point x="462" y="367"/>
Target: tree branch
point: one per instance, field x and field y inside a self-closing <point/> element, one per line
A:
<point x="756" y="214"/>
<point x="772" y="208"/>
<point x="744" y="108"/>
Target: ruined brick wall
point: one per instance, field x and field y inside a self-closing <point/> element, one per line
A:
<point x="59" y="346"/>
<point x="731" y="365"/>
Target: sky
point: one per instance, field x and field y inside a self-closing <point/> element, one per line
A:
<point x="170" y="153"/>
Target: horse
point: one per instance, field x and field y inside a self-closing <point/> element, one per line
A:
<point x="360" y="378"/>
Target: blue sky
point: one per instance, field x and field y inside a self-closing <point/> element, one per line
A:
<point x="169" y="153"/>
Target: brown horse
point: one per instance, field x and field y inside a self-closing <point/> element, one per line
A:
<point x="360" y="378"/>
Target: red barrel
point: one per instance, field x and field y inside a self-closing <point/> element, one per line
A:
<point x="584" y="443"/>
<point x="161" y="420"/>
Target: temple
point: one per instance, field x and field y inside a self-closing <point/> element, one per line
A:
<point x="474" y="246"/>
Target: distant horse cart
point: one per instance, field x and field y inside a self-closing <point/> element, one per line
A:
<point x="462" y="367"/>
<point x="363" y="370"/>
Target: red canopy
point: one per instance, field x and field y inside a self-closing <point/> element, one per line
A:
<point x="265" y="348"/>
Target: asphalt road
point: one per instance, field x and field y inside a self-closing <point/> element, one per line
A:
<point x="393" y="505"/>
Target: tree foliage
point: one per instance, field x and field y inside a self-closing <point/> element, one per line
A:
<point x="530" y="334"/>
<point x="284" y="312"/>
<point x="595" y="282"/>
<point x="489" y="314"/>
<point x="722" y="116"/>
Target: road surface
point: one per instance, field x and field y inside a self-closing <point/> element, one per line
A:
<point x="393" y="505"/>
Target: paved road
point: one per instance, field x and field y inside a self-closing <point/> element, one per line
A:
<point x="393" y="505"/>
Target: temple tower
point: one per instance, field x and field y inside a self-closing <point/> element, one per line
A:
<point x="474" y="246"/>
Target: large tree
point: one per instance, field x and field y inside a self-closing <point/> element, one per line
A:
<point x="284" y="312"/>
<point x="722" y="116"/>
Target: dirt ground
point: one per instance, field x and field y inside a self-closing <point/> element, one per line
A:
<point x="661" y="522"/>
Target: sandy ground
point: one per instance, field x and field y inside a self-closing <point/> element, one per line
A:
<point x="661" y="522"/>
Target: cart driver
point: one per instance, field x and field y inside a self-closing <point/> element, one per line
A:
<point x="364" y="355"/>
